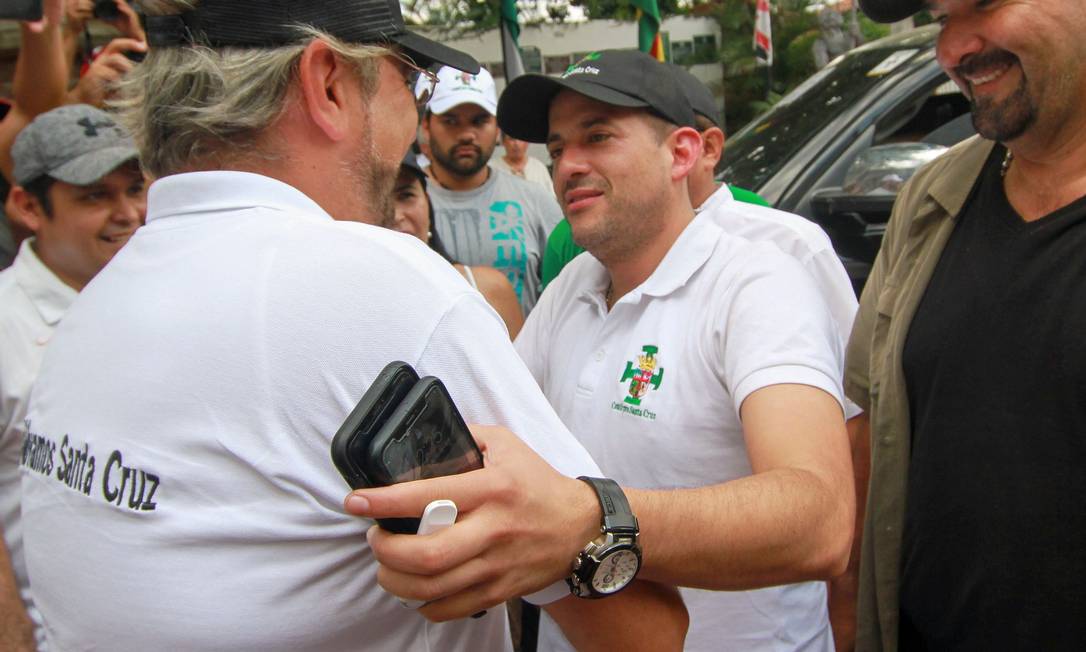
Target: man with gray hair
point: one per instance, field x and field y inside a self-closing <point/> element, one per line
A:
<point x="187" y="403"/>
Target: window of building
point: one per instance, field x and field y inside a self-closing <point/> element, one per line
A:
<point x="557" y="65"/>
<point x="705" y="48"/>
<point x="682" y="52"/>
<point x="533" y="59"/>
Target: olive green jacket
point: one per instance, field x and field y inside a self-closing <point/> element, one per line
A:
<point x="923" y="218"/>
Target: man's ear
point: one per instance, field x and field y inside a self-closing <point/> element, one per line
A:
<point x="329" y="89"/>
<point x="685" y="145"/>
<point x="424" y="124"/>
<point x="712" y="145"/>
<point x="24" y="209"/>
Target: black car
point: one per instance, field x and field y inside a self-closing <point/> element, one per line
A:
<point x="874" y="113"/>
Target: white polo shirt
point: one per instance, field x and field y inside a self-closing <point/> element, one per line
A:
<point x="191" y="395"/>
<point x="653" y="389"/>
<point x="796" y="236"/>
<point x="32" y="301"/>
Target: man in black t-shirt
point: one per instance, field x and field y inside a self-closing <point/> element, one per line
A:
<point x="969" y="358"/>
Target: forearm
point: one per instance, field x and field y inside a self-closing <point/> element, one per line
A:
<point x="776" y="527"/>
<point x="843" y="589"/>
<point x="644" y="616"/>
<point x="41" y="71"/>
<point x="16" y="628"/>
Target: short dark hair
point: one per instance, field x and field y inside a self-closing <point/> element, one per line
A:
<point x="39" y="189"/>
<point x="702" y="123"/>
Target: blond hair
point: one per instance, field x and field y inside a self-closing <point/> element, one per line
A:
<point x="195" y="107"/>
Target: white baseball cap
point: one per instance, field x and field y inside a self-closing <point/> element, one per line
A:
<point x="455" y="88"/>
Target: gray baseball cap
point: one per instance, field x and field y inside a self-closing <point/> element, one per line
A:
<point x="77" y="144"/>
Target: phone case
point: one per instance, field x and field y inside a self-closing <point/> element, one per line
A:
<point x="374" y="408"/>
<point x="424" y="438"/>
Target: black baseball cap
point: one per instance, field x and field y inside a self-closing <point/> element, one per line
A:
<point x="410" y="163"/>
<point x="891" y="11"/>
<point x="627" y="78"/>
<point x="271" y="23"/>
<point x="697" y="93"/>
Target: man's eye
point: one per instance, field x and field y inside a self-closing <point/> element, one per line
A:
<point x="598" y="137"/>
<point x="555" y="153"/>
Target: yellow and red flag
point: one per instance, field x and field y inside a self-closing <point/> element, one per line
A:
<point x="648" y="28"/>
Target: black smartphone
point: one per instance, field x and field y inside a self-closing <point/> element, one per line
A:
<point x="352" y="440"/>
<point x="20" y="10"/>
<point x="424" y="438"/>
<point x="106" y="10"/>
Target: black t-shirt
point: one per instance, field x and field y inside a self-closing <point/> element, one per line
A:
<point x="994" y="550"/>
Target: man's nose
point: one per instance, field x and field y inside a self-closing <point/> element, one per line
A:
<point x="958" y="40"/>
<point x="130" y="210"/>
<point x="568" y="166"/>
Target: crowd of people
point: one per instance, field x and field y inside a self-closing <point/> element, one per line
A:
<point x="694" y="436"/>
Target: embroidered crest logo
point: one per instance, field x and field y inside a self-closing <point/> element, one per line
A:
<point x="644" y="376"/>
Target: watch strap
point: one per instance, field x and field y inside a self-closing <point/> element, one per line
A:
<point x="618" y="518"/>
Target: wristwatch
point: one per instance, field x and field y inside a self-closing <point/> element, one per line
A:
<point x="610" y="562"/>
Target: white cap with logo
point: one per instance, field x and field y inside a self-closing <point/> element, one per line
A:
<point x="455" y="88"/>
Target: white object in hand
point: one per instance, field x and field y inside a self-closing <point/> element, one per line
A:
<point x="437" y="516"/>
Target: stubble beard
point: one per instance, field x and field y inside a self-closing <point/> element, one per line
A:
<point x="374" y="178"/>
<point x="1003" y="119"/>
<point x="624" y="228"/>
<point x="1006" y="119"/>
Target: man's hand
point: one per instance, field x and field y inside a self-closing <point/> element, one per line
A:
<point x="76" y="15"/>
<point x="52" y="16"/>
<point x="127" y="21"/>
<point x="521" y="525"/>
<point x="108" y="69"/>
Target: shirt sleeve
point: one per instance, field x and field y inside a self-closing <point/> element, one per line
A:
<point x="470" y="351"/>
<point x="778" y="329"/>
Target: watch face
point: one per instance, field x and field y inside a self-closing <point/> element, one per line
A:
<point x="615" y="571"/>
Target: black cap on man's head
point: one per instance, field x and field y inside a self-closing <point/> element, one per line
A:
<point x="891" y="11"/>
<point x="272" y="23"/>
<point x="697" y="93"/>
<point x="626" y="78"/>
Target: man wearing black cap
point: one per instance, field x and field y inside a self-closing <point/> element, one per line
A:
<point x="968" y="355"/>
<point x="691" y="362"/>
<point x="178" y="492"/>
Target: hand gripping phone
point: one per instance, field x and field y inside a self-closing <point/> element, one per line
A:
<point x="403" y="429"/>
<point x="424" y="438"/>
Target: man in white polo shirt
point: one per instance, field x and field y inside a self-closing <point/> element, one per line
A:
<point x="794" y="235"/>
<point x="687" y="358"/>
<point x="178" y="493"/>
<point x="485" y="215"/>
<point x="80" y="190"/>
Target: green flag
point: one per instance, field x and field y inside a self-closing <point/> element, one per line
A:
<point x="648" y="28"/>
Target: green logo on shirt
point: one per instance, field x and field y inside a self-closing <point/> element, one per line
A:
<point x="643" y="376"/>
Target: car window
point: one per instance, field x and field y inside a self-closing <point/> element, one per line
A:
<point x="758" y="150"/>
